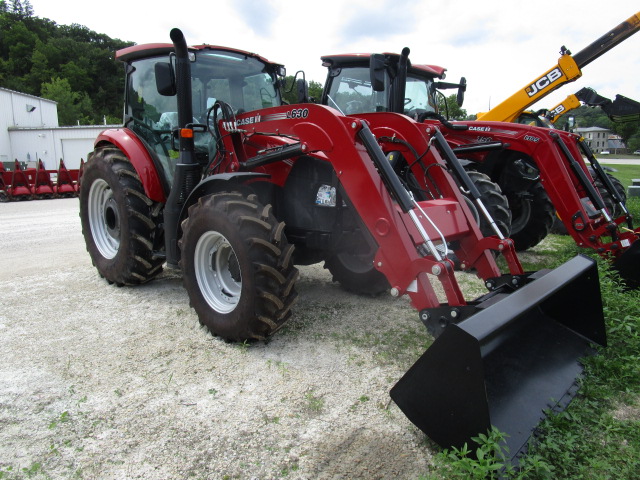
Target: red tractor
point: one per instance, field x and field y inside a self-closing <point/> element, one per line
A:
<point x="541" y="171"/>
<point x="211" y="174"/>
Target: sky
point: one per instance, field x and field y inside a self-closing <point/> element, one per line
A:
<point x="499" y="46"/>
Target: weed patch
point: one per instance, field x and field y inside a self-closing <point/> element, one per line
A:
<point x="598" y="435"/>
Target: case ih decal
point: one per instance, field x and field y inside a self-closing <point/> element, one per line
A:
<point x="289" y="114"/>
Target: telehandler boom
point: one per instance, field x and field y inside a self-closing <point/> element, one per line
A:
<point x="568" y="69"/>
<point x="212" y="174"/>
<point x="621" y="109"/>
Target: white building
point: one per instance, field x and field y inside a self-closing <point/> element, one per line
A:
<point x="602" y="139"/>
<point x="29" y="132"/>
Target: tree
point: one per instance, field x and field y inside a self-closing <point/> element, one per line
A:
<point x="595" y="117"/>
<point x="450" y="109"/>
<point x="35" y="50"/>
<point x="73" y="107"/>
<point x="627" y="130"/>
<point x="290" y="94"/>
<point x="21" y="9"/>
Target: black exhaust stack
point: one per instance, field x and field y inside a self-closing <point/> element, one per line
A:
<point x="399" y="82"/>
<point x="188" y="172"/>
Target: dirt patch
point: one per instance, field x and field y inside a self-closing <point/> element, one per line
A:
<point x="121" y="383"/>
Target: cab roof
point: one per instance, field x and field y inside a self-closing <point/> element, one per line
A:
<point x="362" y="59"/>
<point x="148" y="50"/>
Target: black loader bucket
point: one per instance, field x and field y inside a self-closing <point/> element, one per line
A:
<point x="628" y="265"/>
<point x="509" y="362"/>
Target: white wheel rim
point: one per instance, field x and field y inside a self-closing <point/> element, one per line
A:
<point x="104" y="220"/>
<point x="217" y="272"/>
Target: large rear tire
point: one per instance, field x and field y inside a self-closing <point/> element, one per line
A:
<point x="117" y="221"/>
<point x="237" y="266"/>
<point x="532" y="217"/>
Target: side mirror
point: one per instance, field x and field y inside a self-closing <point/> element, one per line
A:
<point x="461" y="89"/>
<point x="165" y="79"/>
<point x="376" y="72"/>
<point x="302" y="91"/>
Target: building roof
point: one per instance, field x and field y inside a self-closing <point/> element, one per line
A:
<point x="65" y="127"/>
<point x="591" y="129"/>
<point x="615" y="143"/>
<point x="27" y="95"/>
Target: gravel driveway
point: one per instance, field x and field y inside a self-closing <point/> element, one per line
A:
<point x="100" y="382"/>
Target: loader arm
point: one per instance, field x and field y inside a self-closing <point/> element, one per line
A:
<point x="398" y="223"/>
<point x="567" y="70"/>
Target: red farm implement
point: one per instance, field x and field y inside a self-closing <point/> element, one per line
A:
<point x="39" y="183"/>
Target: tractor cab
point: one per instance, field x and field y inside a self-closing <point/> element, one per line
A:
<point x="535" y="119"/>
<point x="364" y="83"/>
<point x="242" y="80"/>
<point x="354" y="86"/>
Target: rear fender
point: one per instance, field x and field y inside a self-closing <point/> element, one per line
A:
<point x="218" y="183"/>
<point x="139" y="156"/>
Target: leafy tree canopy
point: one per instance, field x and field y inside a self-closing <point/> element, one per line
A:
<point x="449" y="108"/>
<point x="594" y="117"/>
<point x="68" y="63"/>
<point x="290" y="93"/>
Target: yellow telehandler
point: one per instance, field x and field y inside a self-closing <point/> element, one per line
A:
<point x="568" y="69"/>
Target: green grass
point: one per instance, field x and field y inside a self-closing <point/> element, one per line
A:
<point x="598" y="435"/>
<point x="625" y="173"/>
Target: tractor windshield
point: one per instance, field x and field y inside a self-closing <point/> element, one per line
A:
<point x="350" y="91"/>
<point x="244" y="82"/>
<point x="418" y="96"/>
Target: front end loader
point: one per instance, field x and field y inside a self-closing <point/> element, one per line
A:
<point x="211" y="174"/>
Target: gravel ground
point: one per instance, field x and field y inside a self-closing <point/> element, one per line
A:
<point x="100" y="382"/>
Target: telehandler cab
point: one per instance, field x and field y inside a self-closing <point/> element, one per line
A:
<point x="210" y="173"/>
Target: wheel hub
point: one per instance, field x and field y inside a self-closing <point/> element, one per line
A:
<point x="104" y="219"/>
<point x="111" y="218"/>
<point x="218" y="272"/>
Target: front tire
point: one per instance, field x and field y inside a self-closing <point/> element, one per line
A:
<point x="350" y="261"/>
<point x="237" y="266"/>
<point x="117" y="221"/>
<point x="532" y="217"/>
<point x="494" y="201"/>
